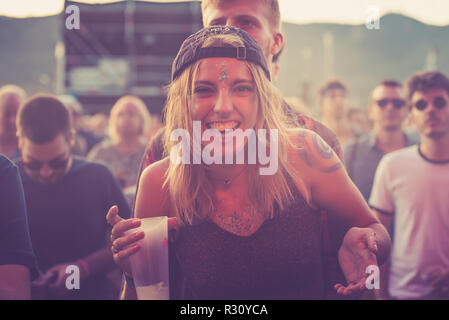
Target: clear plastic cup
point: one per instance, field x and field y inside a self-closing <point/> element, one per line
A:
<point x="150" y="264"/>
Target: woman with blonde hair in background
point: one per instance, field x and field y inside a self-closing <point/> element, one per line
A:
<point x="129" y="124"/>
<point x="240" y="233"/>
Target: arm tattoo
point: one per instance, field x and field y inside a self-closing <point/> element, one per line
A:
<point x="323" y="149"/>
<point x="307" y="152"/>
<point x="333" y="168"/>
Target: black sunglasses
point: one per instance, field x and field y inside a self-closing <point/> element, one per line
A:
<point x="55" y="164"/>
<point x="397" y="103"/>
<point x="438" y="102"/>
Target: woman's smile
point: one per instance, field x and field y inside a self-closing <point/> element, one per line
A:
<point x="223" y="125"/>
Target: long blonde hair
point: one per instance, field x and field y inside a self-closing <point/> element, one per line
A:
<point x="190" y="190"/>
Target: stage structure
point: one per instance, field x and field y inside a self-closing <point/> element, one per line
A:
<point x="122" y="48"/>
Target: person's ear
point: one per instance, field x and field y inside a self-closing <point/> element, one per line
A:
<point x="19" y="141"/>
<point x="278" y="43"/>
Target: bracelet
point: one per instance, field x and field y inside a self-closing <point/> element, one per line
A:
<point x="83" y="264"/>
<point x="129" y="281"/>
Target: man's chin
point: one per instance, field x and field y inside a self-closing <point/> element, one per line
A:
<point x="436" y="135"/>
<point x="46" y="182"/>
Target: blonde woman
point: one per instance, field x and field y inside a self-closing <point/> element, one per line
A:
<point x="129" y="123"/>
<point x="241" y="234"/>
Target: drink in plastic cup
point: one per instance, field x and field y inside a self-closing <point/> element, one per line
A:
<point x="150" y="264"/>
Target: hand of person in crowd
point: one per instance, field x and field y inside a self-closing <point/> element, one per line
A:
<point x="39" y="286"/>
<point x="123" y="246"/>
<point x="357" y="252"/>
<point x="56" y="279"/>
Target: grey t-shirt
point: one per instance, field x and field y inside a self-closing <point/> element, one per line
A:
<point x="125" y="167"/>
<point x="362" y="157"/>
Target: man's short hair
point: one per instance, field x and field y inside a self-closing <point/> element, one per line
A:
<point x="424" y="81"/>
<point x="273" y="12"/>
<point x="42" y="118"/>
<point x="329" y="86"/>
<point x="389" y="83"/>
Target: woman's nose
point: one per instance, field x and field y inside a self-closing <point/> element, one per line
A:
<point x="224" y="102"/>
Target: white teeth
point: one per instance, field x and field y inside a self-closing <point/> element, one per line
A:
<point x="221" y="126"/>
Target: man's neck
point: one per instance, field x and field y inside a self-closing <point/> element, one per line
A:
<point x="435" y="149"/>
<point x="388" y="141"/>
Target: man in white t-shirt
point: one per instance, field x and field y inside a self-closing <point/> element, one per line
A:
<point x="411" y="186"/>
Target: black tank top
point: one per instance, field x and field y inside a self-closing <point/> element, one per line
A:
<point x="281" y="260"/>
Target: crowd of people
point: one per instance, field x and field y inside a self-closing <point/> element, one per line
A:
<point x="360" y="188"/>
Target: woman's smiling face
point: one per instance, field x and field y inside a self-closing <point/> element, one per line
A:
<point x="224" y="95"/>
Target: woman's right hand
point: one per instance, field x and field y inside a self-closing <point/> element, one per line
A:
<point x="123" y="246"/>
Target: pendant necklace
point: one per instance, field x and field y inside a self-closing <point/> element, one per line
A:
<point x="227" y="182"/>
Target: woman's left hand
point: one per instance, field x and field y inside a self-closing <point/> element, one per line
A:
<point x="357" y="252"/>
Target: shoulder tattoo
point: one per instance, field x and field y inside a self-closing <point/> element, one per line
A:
<point x="315" y="152"/>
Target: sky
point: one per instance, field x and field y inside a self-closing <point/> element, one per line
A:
<point x="295" y="11"/>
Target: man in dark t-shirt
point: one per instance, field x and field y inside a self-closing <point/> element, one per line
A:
<point x="17" y="259"/>
<point x="67" y="220"/>
<point x="66" y="200"/>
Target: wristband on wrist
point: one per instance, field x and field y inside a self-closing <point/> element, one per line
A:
<point x="129" y="281"/>
<point x="83" y="265"/>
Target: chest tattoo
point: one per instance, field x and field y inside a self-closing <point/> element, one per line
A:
<point x="241" y="222"/>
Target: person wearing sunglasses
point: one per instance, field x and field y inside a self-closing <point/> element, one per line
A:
<point x="411" y="189"/>
<point x="387" y="111"/>
<point x="66" y="198"/>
